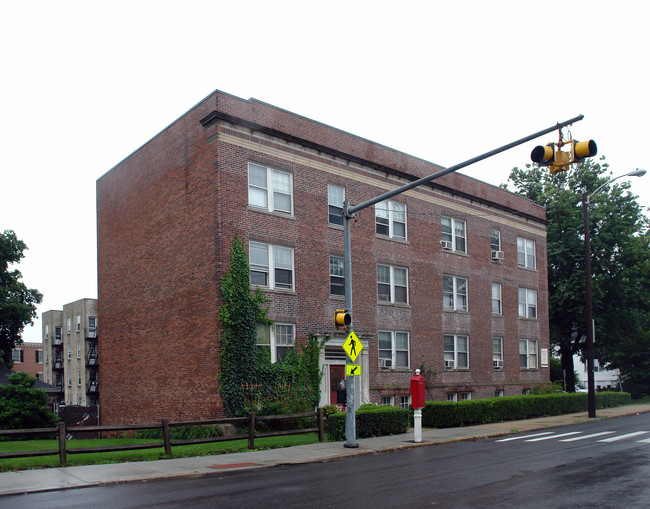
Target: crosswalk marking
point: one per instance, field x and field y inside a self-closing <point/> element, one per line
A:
<point x="622" y="437"/>
<point x="587" y="436"/>
<point x="523" y="436"/>
<point x="644" y="441"/>
<point x="554" y="436"/>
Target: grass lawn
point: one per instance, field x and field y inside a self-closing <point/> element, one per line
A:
<point x="180" y="451"/>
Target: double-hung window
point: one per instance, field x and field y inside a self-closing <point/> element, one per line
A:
<point x="527" y="303"/>
<point x="392" y="284"/>
<point x="78" y="323"/>
<point x="390" y="219"/>
<point x="78" y="349"/>
<point x="497" y="353"/>
<point x="453" y="234"/>
<point x="270" y="189"/>
<point x="337" y="276"/>
<point x="335" y="199"/>
<point x="454" y="293"/>
<point x="456" y="351"/>
<point x="393" y="349"/>
<point x="271" y="266"/>
<point x="17" y="356"/>
<point x="528" y="353"/>
<point x="279" y="338"/>
<point x="526" y="253"/>
<point x="495" y="240"/>
<point x="496" y="299"/>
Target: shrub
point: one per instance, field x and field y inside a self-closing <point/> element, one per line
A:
<point x="182" y="432"/>
<point x="370" y="421"/>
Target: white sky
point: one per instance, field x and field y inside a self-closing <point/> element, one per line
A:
<point x="83" y="84"/>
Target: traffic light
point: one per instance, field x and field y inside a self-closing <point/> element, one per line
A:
<point x="342" y="319"/>
<point x="543" y="155"/>
<point x="582" y="149"/>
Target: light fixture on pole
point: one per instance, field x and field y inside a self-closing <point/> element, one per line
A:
<point x="591" y="391"/>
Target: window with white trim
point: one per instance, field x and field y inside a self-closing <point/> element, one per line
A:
<point x="69" y="378"/>
<point x="453" y="232"/>
<point x="393" y="349"/>
<point x="456" y="351"/>
<point x="17" y="356"/>
<point x="499" y="393"/>
<point x="69" y="323"/>
<point x="271" y="266"/>
<point x="279" y="338"/>
<point x="78" y="323"/>
<point x="335" y="199"/>
<point x="78" y="350"/>
<point x="497" y="352"/>
<point x="496" y="299"/>
<point x="392" y="284"/>
<point x="79" y="378"/>
<point x="405" y="402"/>
<point x="69" y="351"/>
<point x="387" y="401"/>
<point x="390" y="219"/>
<point x="47" y="331"/>
<point x="527" y="303"/>
<point x="465" y="396"/>
<point x="452" y="397"/>
<point x="454" y="293"/>
<point x="337" y="275"/>
<point x="57" y="334"/>
<point x="495" y="240"/>
<point x="528" y="353"/>
<point x="526" y="253"/>
<point x="270" y="189"/>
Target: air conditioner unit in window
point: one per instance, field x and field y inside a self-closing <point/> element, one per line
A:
<point x="497" y="364"/>
<point x="449" y="364"/>
<point x="446" y="244"/>
<point x="497" y="255"/>
<point x="385" y="363"/>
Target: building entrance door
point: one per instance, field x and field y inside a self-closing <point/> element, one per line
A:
<point x="337" y="373"/>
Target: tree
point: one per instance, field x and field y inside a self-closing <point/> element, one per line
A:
<point x="22" y="405"/>
<point x="620" y="262"/>
<point x="17" y="302"/>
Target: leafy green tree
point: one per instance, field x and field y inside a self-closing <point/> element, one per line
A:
<point x="17" y="302"/>
<point x="22" y="405"/>
<point x="620" y="258"/>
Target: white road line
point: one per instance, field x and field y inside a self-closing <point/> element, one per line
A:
<point x="623" y="437"/>
<point x="524" y="436"/>
<point x="587" y="436"/>
<point x="555" y="436"/>
<point x="644" y="441"/>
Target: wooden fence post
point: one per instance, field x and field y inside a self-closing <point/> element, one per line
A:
<point x="62" y="454"/>
<point x="166" y="439"/>
<point x="251" y="430"/>
<point x="321" y="426"/>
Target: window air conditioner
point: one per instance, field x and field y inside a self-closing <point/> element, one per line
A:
<point x="497" y="255"/>
<point x="497" y="364"/>
<point x="449" y="364"/>
<point x="385" y="363"/>
<point x="446" y="244"/>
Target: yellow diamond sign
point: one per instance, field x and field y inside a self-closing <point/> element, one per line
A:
<point x="352" y="346"/>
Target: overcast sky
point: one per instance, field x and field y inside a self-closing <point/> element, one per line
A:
<point x="83" y="84"/>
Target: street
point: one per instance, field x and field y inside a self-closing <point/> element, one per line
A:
<point x="597" y="464"/>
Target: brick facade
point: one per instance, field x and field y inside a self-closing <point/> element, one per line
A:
<point x="168" y="213"/>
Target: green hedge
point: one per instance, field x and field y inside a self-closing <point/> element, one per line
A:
<point x="371" y="421"/>
<point x="443" y="414"/>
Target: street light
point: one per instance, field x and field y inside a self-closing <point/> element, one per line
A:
<point x="591" y="391"/>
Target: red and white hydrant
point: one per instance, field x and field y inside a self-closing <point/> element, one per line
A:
<point x="417" y="403"/>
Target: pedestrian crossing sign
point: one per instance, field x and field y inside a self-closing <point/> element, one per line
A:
<point x="352" y="346"/>
<point x="352" y="370"/>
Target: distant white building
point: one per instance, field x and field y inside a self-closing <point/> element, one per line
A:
<point x="604" y="379"/>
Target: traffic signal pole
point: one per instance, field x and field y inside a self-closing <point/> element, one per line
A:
<point x="348" y="214"/>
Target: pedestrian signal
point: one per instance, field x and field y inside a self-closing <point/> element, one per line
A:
<point x="342" y="319"/>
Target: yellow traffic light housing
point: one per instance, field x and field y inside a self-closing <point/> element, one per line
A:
<point x="582" y="149"/>
<point x="548" y="155"/>
<point x="561" y="163"/>
<point x="543" y="155"/>
<point x="342" y="319"/>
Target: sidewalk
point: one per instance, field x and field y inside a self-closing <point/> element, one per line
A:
<point x="31" y="481"/>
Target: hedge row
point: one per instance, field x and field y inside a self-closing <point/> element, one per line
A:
<point x="371" y="421"/>
<point x="439" y="414"/>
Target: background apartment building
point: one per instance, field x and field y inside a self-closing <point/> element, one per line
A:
<point x="449" y="277"/>
<point x="28" y="357"/>
<point x="70" y="352"/>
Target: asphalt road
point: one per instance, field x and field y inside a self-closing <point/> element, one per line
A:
<point x="598" y="464"/>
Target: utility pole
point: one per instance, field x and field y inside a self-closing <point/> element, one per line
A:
<point x="348" y="214"/>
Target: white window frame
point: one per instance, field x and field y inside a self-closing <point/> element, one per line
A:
<point x="528" y="354"/>
<point x="78" y="378"/>
<point x="272" y="265"/>
<point x="277" y="338"/>
<point x="405" y="402"/>
<point x="47" y="331"/>
<point x="69" y="323"/>
<point x="69" y="378"/>
<point x="497" y="302"/>
<point x="17" y="355"/>
<point x="450" y="233"/>
<point x="69" y="351"/>
<point x="395" y="351"/>
<point x="527" y="303"/>
<point x="454" y="356"/>
<point x="465" y="396"/>
<point x="454" y="300"/>
<point x="526" y="256"/>
<point x="78" y="349"/>
<point x="499" y="393"/>
<point x="334" y="206"/>
<point x="388" y="215"/>
<point x="391" y="283"/>
<point x="452" y="397"/>
<point x="269" y="189"/>
<point x="78" y="323"/>
<point x="337" y="275"/>
<point x="387" y="401"/>
<point x="497" y="246"/>
<point x="497" y="351"/>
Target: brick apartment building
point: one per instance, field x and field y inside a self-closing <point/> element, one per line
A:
<point x="450" y="276"/>
<point x="28" y="358"/>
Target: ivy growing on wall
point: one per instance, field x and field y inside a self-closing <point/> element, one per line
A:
<point x="248" y="380"/>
